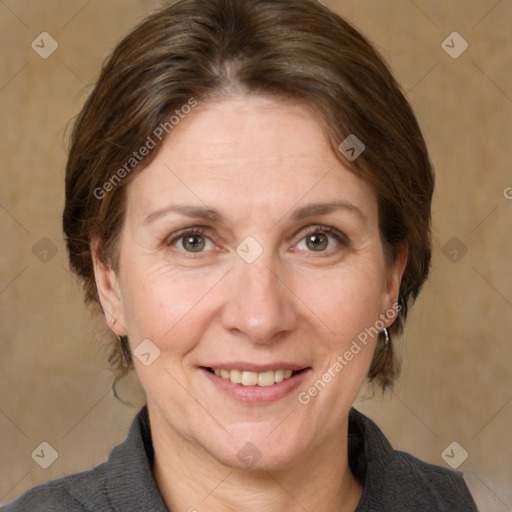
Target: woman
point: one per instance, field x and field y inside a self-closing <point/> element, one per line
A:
<point x="248" y="200"/>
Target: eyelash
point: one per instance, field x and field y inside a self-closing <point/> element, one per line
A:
<point x="311" y="230"/>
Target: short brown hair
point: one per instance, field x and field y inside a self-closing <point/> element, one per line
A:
<point x="293" y="49"/>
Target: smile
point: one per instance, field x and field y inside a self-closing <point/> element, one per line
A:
<point x="256" y="387"/>
<point x="263" y="379"/>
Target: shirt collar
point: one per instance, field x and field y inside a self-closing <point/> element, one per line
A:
<point x="131" y="485"/>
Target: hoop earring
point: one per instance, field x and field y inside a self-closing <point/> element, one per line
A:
<point x="387" y="337"/>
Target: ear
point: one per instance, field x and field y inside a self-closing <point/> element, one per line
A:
<point x="107" y="284"/>
<point x="395" y="273"/>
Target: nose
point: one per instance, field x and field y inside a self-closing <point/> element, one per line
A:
<point x="259" y="305"/>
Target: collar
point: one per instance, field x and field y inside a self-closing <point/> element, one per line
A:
<point x="393" y="481"/>
<point x="131" y="485"/>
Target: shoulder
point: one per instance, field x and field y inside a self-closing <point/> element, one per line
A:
<point x="80" y="492"/>
<point x="123" y="483"/>
<point x="439" y="484"/>
<point x="397" y="480"/>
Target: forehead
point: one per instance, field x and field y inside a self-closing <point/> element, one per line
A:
<point x="246" y="130"/>
<point x="249" y="152"/>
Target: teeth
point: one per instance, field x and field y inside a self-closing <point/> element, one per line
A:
<point x="266" y="378"/>
<point x="249" y="378"/>
<point x="254" y="378"/>
<point x="235" y="376"/>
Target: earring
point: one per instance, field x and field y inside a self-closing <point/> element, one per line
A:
<point x="387" y="337"/>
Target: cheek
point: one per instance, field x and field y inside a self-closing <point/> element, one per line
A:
<point x="346" y="301"/>
<point x="160" y="303"/>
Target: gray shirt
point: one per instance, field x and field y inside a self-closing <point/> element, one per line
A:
<point x="393" y="481"/>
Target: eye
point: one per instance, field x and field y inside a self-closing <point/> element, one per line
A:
<point x="320" y="239"/>
<point x="192" y="241"/>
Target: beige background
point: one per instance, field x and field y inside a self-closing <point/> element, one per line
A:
<point x="456" y="381"/>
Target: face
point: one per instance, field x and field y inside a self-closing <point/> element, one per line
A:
<point x="249" y="248"/>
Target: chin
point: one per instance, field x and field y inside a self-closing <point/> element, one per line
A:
<point x="257" y="454"/>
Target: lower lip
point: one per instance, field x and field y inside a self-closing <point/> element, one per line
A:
<point x="257" y="394"/>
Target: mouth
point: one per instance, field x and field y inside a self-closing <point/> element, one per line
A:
<point x="251" y="378"/>
<point x="255" y="385"/>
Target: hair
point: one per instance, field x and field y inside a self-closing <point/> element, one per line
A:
<point x="194" y="51"/>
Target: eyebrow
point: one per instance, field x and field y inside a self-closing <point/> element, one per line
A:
<point x="326" y="208"/>
<point x="199" y="212"/>
<point x="196" y="212"/>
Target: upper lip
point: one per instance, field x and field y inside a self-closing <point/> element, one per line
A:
<point x="252" y="367"/>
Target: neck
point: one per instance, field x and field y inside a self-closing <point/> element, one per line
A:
<point x="191" y="479"/>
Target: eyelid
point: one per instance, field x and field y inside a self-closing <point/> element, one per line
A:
<point x="329" y="230"/>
